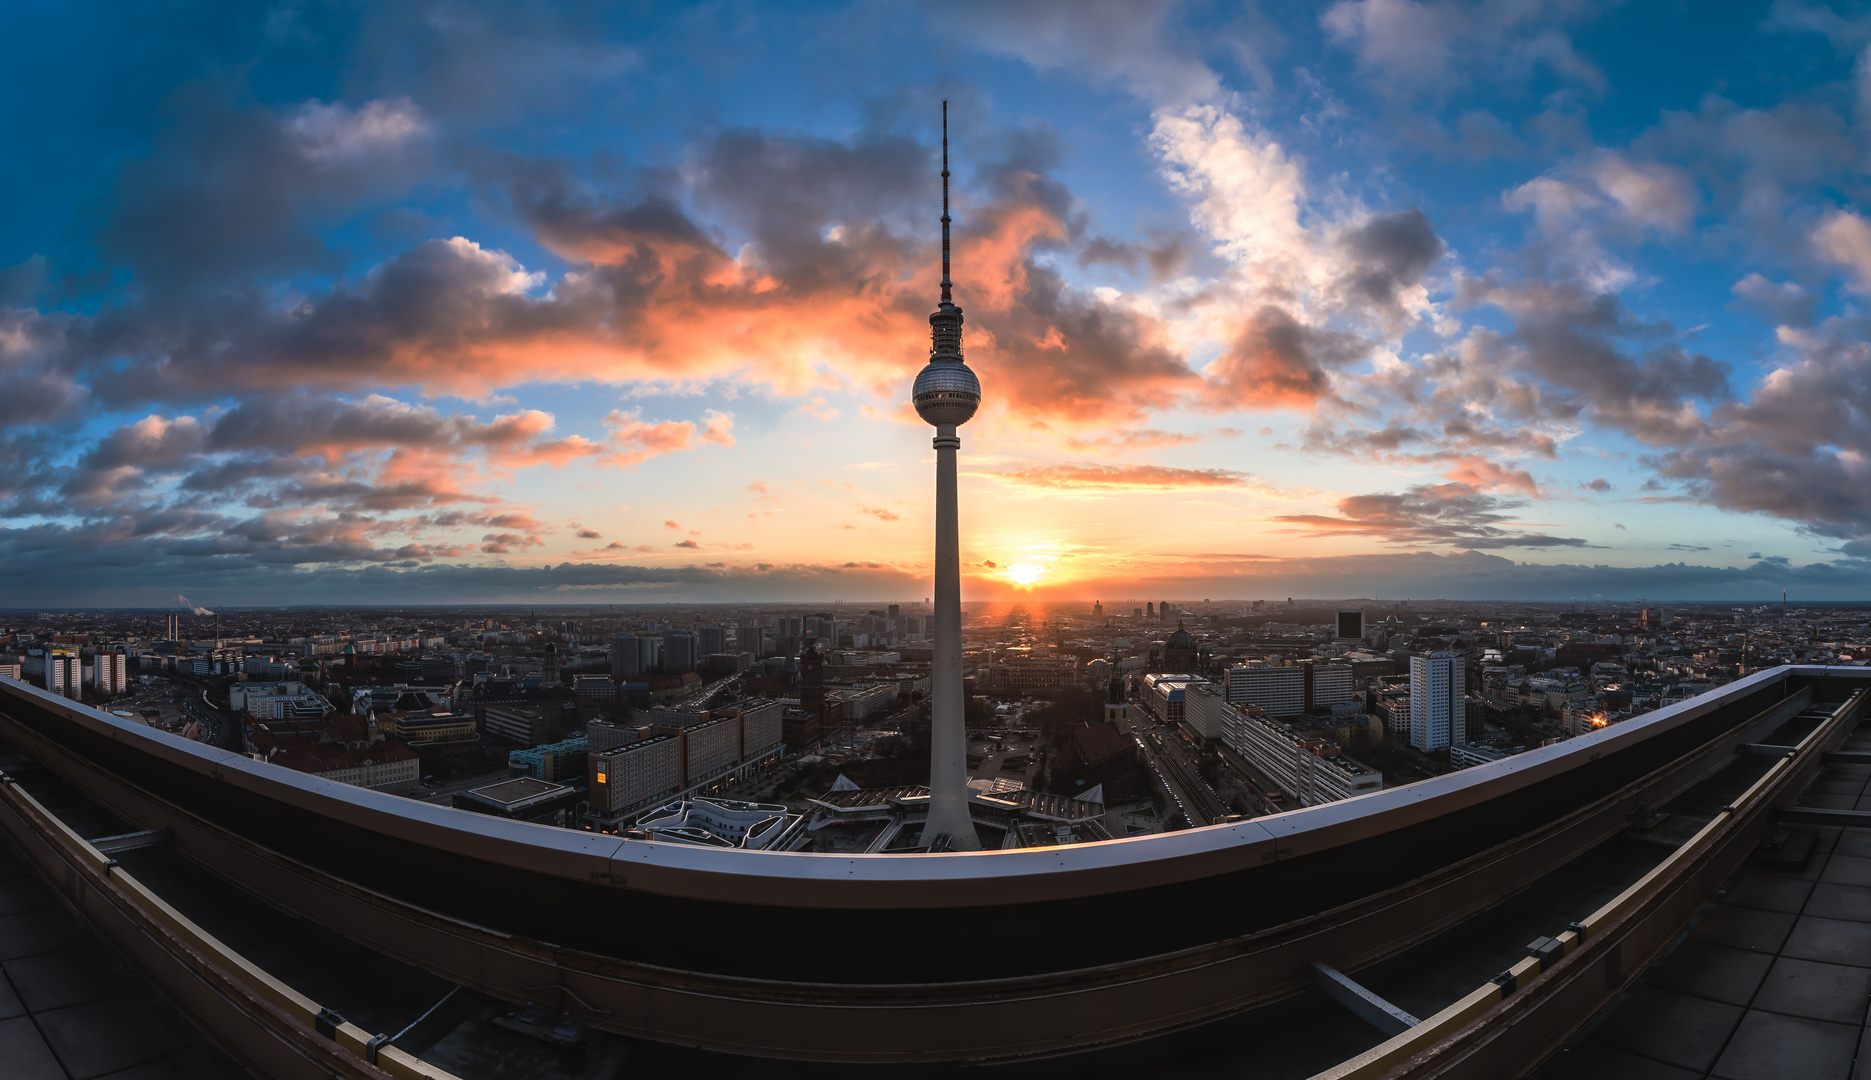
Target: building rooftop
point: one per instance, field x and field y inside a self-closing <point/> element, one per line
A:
<point x="510" y="793"/>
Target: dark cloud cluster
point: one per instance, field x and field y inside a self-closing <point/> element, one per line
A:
<point x="1456" y="515"/>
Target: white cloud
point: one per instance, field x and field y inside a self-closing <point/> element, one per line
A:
<point x="326" y="133"/>
<point x="1651" y="195"/>
<point x="1246" y="193"/>
<point x="1844" y="239"/>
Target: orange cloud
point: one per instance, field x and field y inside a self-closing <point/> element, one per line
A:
<point x="1277" y="362"/>
<point x="636" y="440"/>
<point x="1121" y="477"/>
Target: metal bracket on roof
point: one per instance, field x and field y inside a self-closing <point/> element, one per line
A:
<point x="1363" y="1004"/>
<point x="130" y="841"/>
<point x="1813" y="815"/>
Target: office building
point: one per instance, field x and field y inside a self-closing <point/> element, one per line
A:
<point x="1308" y="766"/>
<point x="1328" y="685"/>
<point x="1276" y="691"/>
<point x="626" y="779"/>
<point x="1204" y="709"/>
<point x="1438" y="715"/>
<point x="1289" y="691"/>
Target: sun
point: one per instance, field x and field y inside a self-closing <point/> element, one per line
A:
<point x="1024" y="574"/>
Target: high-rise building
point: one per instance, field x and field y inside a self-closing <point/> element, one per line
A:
<point x="946" y="395"/>
<point x="64" y="673"/>
<point x="633" y="656"/>
<point x="624" y="654"/>
<point x="711" y="640"/>
<point x="751" y="640"/>
<point x="110" y="673"/>
<point x="1437" y="714"/>
<point x="679" y="651"/>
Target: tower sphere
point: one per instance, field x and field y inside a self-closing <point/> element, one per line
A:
<point x="946" y="392"/>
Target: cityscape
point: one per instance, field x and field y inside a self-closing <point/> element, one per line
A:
<point x="1213" y="711"/>
<point x="478" y="604"/>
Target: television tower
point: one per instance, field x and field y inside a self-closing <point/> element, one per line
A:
<point x="946" y="395"/>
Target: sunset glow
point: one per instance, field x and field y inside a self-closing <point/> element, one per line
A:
<point x="1372" y="299"/>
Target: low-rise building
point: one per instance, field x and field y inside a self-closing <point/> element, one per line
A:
<point x="865" y="701"/>
<point x="553" y="761"/>
<point x="1465" y="755"/>
<point x="1164" y="696"/>
<point x="277" y="701"/>
<point x="523" y="798"/>
<point x="725" y="823"/>
<point x="374" y="766"/>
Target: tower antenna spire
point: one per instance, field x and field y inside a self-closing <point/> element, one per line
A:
<point x="945" y="218"/>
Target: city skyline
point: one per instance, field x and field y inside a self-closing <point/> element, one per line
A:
<point x="541" y="307"/>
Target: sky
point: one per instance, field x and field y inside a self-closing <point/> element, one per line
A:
<point x="438" y="302"/>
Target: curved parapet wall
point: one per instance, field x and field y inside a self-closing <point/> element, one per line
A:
<point x="841" y="931"/>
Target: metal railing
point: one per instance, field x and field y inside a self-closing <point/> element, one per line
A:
<point x="246" y="1010"/>
<point x="1507" y="1026"/>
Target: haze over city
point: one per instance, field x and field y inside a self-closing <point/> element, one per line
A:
<point x="511" y="304"/>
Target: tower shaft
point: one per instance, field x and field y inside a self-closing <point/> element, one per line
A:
<point x="948" y="745"/>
